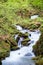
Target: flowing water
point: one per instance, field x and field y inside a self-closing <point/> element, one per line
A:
<point x="24" y="55"/>
<point x="19" y="42"/>
<point x="34" y="16"/>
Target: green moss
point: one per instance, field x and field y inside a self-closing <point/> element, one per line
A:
<point x="14" y="47"/>
<point x="25" y="42"/>
<point x="39" y="62"/>
<point x="4" y="49"/>
<point x="23" y="35"/>
<point x="38" y="48"/>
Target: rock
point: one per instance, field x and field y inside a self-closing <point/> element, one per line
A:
<point x="25" y="42"/>
<point x="23" y="35"/>
<point x="0" y="63"/>
<point x="4" y="49"/>
<point x="14" y="48"/>
<point x="28" y="54"/>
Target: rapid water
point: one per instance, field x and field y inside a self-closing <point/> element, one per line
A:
<point x="19" y="42"/>
<point x="24" y="55"/>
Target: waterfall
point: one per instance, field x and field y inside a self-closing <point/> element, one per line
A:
<point x="19" y="42"/>
<point x="16" y="36"/>
<point x="34" y="16"/>
<point x="23" y="56"/>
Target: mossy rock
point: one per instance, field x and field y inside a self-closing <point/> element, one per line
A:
<point x="14" y="47"/>
<point x="23" y="35"/>
<point x="39" y="62"/>
<point x="17" y="39"/>
<point x="25" y="42"/>
<point x="24" y="25"/>
<point x="38" y="47"/>
<point x="0" y="62"/>
<point x="31" y="26"/>
<point x="4" y="49"/>
<point x="12" y="41"/>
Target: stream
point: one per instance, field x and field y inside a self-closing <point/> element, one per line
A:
<point x="23" y="56"/>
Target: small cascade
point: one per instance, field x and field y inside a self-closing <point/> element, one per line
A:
<point x="21" y="29"/>
<point x="34" y="16"/>
<point x="19" y="42"/>
<point x="18" y="27"/>
<point x="23" y="56"/>
<point x="33" y="36"/>
<point x="24" y="31"/>
<point x="16" y="36"/>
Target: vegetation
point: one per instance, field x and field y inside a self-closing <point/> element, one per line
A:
<point x="19" y="12"/>
<point x="37" y="3"/>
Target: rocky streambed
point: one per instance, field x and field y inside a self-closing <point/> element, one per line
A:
<point x="25" y="41"/>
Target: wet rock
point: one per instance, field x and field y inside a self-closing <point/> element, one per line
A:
<point x="0" y="63"/>
<point x="14" y="48"/>
<point x="23" y="35"/>
<point x="18" y="53"/>
<point x="12" y="41"/>
<point x="13" y="44"/>
<point x="28" y="54"/>
<point x="38" y="47"/>
<point x="25" y="42"/>
<point x="17" y="39"/>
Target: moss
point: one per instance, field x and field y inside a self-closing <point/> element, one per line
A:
<point x="25" y="42"/>
<point x="23" y="35"/>
<point x="11" y="13"/>
<point x="38" y="48"/>
<point x="24" y="13"/>
<point x="4" y="49"/>
<point x="31" y="26"/>
<point x="39" y="62"/>
<point x="14" y="47"/>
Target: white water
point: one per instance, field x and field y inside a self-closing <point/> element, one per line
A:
<point x="24" y="54"/>
<point x="34" y="16"/>
<point x="19" y="42"/>
<point x="16" y="36"/>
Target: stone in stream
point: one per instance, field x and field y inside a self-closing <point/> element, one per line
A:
<point x="25" y="42"/>
<point x="30" y="42"/>
<point x="28" y="54"/>
<point x="29" y="34"/>
<point x="23" y="35"/>
<point x="18" y="53"/>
